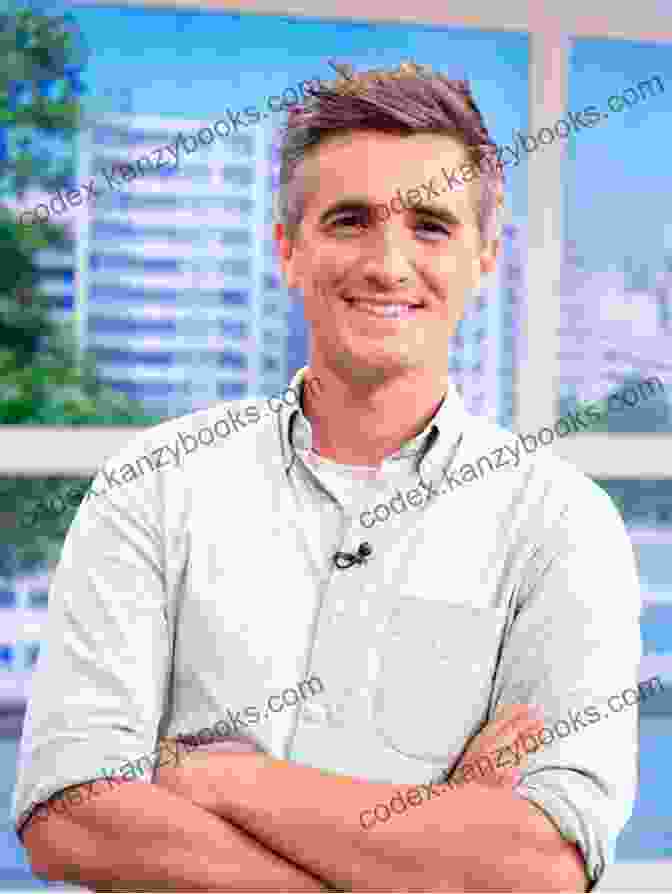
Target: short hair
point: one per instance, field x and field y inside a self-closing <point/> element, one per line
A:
<point x="408" y="100"/>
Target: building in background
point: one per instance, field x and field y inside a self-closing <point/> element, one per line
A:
<point x="483" y="353"/>
<point x="616" y="326"/>
<point x="170" y="277"/>
<point x="179" y="297"/>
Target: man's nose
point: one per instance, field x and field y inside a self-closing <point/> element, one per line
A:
<point x="388" y="262"/>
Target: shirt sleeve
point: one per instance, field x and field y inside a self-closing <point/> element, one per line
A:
<point x="98" y="691"/>
<point x="573" y="649"/>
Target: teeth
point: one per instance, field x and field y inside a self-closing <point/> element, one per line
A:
<point x="383" y="310"/>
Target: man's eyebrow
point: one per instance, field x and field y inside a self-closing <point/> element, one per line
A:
<point x="353" y="204"/>
<point x="442" y="213"/>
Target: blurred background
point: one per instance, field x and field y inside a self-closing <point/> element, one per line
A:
<point x="163" y="295"/>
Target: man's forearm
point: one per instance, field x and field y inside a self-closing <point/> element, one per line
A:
<point x="140" y="837"/>
<point x="471" y="838"/>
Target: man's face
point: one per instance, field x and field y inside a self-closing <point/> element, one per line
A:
<point x="349" y="255"/>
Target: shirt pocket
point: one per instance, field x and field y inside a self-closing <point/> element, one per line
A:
<point x="435" y="665"/>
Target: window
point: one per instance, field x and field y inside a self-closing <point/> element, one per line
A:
<point x="228" y="358"/>
<point x="110" y="136"/>
<point x="133" y="358"/>
<point x="38" y="598"/>
<point x="123" y="262"/>
<point x="233" y="328"/>
<point x="643" y="503"/>
<point x="107" y="326"/>
<point x="231" y="390"/>
<point x="140" y="390"/>
<point x="63" y="302"/>
<point x="646" y="508"/>
<point x="242" y="145"/>
<point x="63" y="275"/>
<point x="113" y="230"/>
<point x="235" y="268"/>
<point x="241" y="176"/>
<point x="616" y="286"/>
<point x="236" y="237"/>
<point x="657" y="628"/>
<point x="135" y="202"/>
<point x="124" y="293"/>
<point x="31" y="654"/>
<point x="231" y="203"/>
<point x="233" y="297"/>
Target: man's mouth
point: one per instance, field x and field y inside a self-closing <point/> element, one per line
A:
<point x="384" y="310"/>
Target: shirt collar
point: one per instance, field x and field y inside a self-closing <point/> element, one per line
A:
<point x="432" y="446"/>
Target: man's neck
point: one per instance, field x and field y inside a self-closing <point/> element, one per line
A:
<point x="358" y="424"/>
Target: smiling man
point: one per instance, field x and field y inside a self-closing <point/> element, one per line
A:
<point x="247" y="567"/>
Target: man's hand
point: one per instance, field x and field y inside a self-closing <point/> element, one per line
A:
<point x="179" y="776"/>
<point x="511" y="721"/>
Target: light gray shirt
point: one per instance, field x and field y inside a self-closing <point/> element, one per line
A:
<point x="207" y="586"/>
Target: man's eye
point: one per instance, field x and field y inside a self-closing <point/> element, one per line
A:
<point x="433" y="227"/>
<point x="349" y="220"/>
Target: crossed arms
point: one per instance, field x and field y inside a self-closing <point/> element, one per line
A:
<point x="246" y="822"/>
<point x="478" y="838"/>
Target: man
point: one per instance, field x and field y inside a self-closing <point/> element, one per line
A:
<point x="247" y="567"/>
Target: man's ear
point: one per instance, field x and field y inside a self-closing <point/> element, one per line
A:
<point x="286" y="255"/>
<point x="490" y="255"/>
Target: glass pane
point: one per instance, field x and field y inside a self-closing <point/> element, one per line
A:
<point x="645" y="506"/>
<point x="35" y="514"/>
<point x="172" y="260"/>
<point x="616" y="322"/>
<point x="15" y="872"/>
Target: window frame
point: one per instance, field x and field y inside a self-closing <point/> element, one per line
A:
<point x="550" y="26"/>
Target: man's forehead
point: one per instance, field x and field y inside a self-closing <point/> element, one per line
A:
<point x="379" y="165"/>
<point x="424" y="151"/>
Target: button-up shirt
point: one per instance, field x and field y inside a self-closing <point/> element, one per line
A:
<point x="207" y="587"/>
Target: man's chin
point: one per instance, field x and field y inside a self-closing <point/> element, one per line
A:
<point x="375" y="365"/>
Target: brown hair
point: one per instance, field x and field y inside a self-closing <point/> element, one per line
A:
<point x="410" y="99"/>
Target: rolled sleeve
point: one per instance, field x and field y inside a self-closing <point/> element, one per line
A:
<point x="574" y="642"/>
<point x="99" y="688"/>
